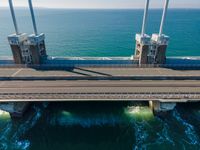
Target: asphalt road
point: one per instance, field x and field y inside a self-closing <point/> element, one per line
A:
<point x="99" y="90"/>
<point x="27" y="72"/>
<point x="107" y="84"/>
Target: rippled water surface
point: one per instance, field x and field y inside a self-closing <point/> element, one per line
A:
<point x="108" y="126"/>
<point x="103" y="32"/>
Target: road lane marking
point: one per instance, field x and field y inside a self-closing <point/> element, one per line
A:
<point x="18" y="71"/>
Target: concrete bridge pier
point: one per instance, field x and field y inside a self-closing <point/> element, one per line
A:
<point x="27" y="49"/>
<point x="37" y="48"/>
<point x="143" y="40"/>
<point x="160" y="41"/>
<point x="20" y="51"/>
<point x="16" y="109"/>
<point x="18" y="42"/>
<point x="161" y="107"/>
<point x="36" y="41"/>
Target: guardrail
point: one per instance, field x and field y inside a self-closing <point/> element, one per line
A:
<point x="178" y="97"/>
<point x="65" y="66"/>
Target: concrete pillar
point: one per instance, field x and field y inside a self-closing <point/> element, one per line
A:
<point x="143" y="40"/>
<point x="163" y="17"/>
<point x="27" y="49"/>
<point x="16" y="109"/>
<point x="37" y="48"/>
<point x="161" y="107"/>
<point x="17" y="42"/>
<point x="36" y="41"/>
<point x="13" y="17"/>
<point x="142" y="48"/>
<point x="161" y="40"/>
<point x="33" y="17"/>
<point x="162" y="43"/>
<point x="145" y="17"/>
<point x="161" y="54"/>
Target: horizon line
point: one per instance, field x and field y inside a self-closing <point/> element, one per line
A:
<point x="101" y="8"/>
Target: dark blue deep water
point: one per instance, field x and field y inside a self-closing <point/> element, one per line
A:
<point x="102" y="126"/>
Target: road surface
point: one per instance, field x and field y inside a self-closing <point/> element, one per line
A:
<point x="180" y="90"/>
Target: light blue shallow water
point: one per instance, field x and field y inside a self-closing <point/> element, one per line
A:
<point x="104" y="32"/>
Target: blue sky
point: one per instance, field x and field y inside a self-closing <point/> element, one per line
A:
<point x="104" y="3"/>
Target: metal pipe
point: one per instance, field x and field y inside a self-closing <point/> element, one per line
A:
<point x="33" y="17"/>
<point x="145" y="17"/>
<point x="13" y="17"/>
<point x="163" y="17"/>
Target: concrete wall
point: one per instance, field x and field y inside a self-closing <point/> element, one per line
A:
<point x="161" y="54"/>
<point x="17" y="54"/>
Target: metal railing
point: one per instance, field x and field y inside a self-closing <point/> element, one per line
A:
<point x="178" y="97"/>
<point x="100" y="65"/>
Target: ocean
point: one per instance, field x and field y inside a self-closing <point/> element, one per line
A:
<point x="102" y="125"/>
<point x="103" y="32"/>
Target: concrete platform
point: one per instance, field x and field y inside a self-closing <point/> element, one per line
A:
<point x="16" y="109"/>
<point x="164" y="91"/>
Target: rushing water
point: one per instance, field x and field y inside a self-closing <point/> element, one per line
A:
<point x="102" y="126"/>
<point x="97" y="125"/>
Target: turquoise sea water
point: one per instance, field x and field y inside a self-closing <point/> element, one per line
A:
<point x="102" y="126"/>
<point x="103" y="32"/>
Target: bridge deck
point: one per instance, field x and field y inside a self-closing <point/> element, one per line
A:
<point x="89" y="72"/>
<point x="96" y="90"/>
<point x="14" y="85"/>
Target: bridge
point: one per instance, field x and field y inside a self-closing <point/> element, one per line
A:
<point x="148" y="75"/>
<point x="129" y="90"/>
<point x="99" y="83"/>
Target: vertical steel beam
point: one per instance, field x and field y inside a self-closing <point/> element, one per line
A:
<point x="163" y="17"/>
<point x="13" y="17"/>
<point x="145" y="17"/>
<point x="33" y="17"/>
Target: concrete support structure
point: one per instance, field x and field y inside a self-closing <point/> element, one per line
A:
<point x="36" y="41"/>
<point x="143" y="40"/>
<point x="142" y="48"/>
<point x="152" y="50"/>
<point x="19" y="49"/>
<point x="13" y="16"/>
<point x="160" y="41"/>
<point x="159" y="48"/>
<point x="18" y="42"/>
<point x="16" y="109"/>
<point x="27" y="49"/>
<point x="161" y="107"/>
<point x="37" y="48"/>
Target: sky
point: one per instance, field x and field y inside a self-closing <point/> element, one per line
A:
<point x="121" y="4"/>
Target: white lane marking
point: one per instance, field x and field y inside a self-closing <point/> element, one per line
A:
<point x="18" y="71"/>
